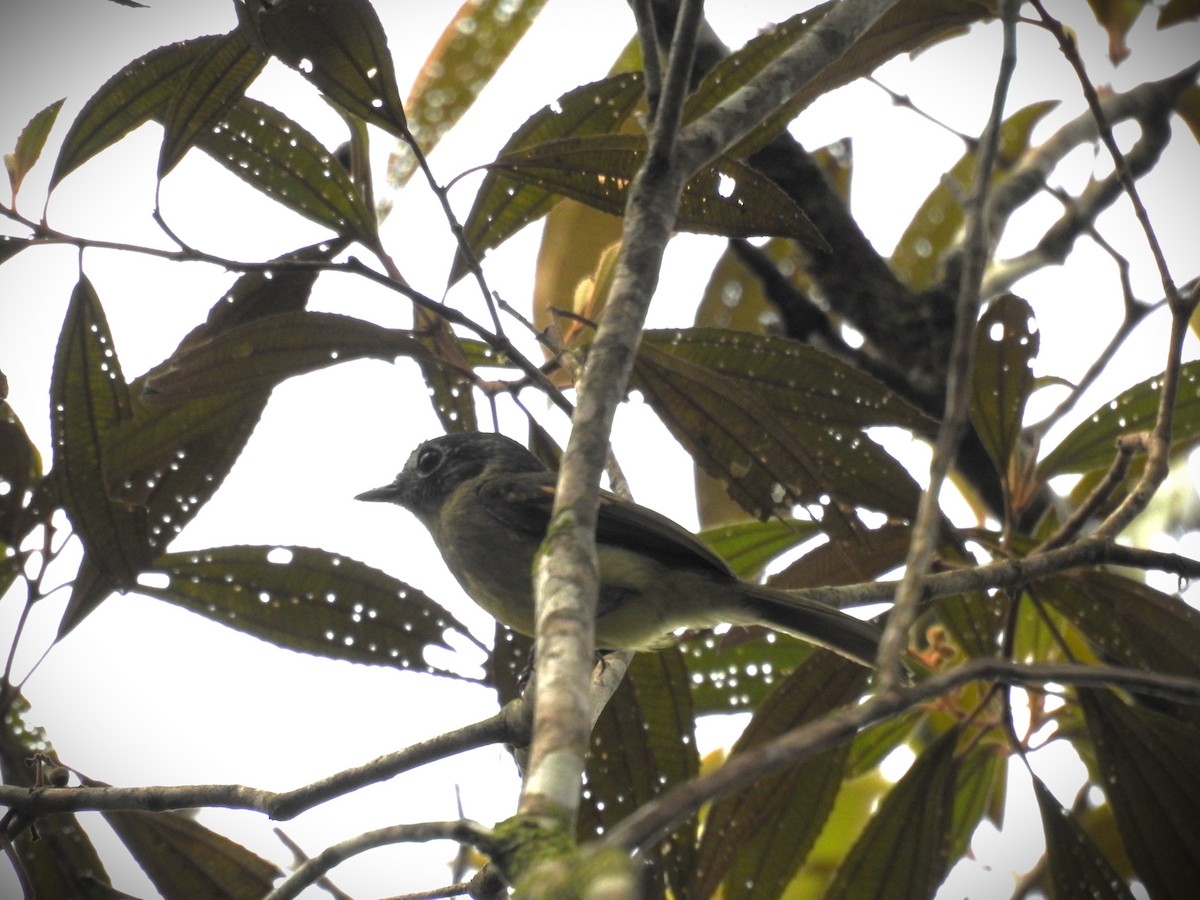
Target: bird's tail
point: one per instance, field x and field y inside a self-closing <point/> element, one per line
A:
<point x="814" y="622"/>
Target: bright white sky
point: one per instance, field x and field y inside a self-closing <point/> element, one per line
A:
<point x="143" y="693"/>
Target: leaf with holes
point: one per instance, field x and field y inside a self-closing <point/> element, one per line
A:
<point x="218" y="79"/>
<point x="474" y="44"/>
<point x="281" y="159"/>
<point x="1075" y="864"/>
<point x="20" y="471"/>
<point x="1150" y="769"/>
<point x="29" y="145"/>
<point x="341" y="48"/>
<point x="726" y="197"/>
<point x="1092" y="445"/>
<point x="1006" y="343"/>
<point x="755" y="840"/>
<point x="308" y="600"/>
<point x="503" y="205"/>
<point x="89" y="399"/>
<point x="141" y="91"/>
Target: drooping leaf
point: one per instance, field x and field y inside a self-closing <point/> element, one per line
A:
<point x="340" y="46"/>
<point x="1076" y="866"/>
<point x="446" y="370"/>
<point x="11" y="245"/>
<point x="643" y="744"/>
<point x="1150" y="769"/>
<point x="726" y="197"/>
<point x="938" y="221"/>
<point x="218" y="78"/>
<point x="61" y="861"/>
<point x="1092" y="445"/>
<point x="981" y="780"/>
<point x="281" y="159"/>
<point x="1006" y="343"/>
<point x="29" y="145"/>
<point x="756" y="839"/>
<point x="904" y="850"/>
<point x="1116" y="17"/>
<point x="20" y="470"/>
<point x="1173" y="12"/>
<point x="139" y="92"/>
<point x="184" y="859"/>
<point x="260" y="354"/>
<point x="503" y="206"/>
<point x="89" y="399"/>
<point x="308" y="600"/>
<point x="782" y="424"/>
<point x="475" y="43"/>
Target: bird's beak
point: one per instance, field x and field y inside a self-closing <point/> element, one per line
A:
<point x="386" y="494"/>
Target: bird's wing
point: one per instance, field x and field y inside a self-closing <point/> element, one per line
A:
<point x="524" y="501"/>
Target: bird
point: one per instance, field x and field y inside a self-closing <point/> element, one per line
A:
<point x="486" y="501"/>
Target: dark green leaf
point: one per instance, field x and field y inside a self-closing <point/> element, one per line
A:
<point x="730" y="675"/>
<point x="756" y="839"/>
<point x="782" y="424"/>
<point x="864" y="558"/>
<point x="726" y="197"/>
<point x="29" y="145"/>
<point x="981" y="776"/>
<point x="61" y="862"/>
<point x="89" y="589"/>
<point x="504" y="206"/>
<point x="1006" y="343"/>
<point x="1175" y="11"/>
<point x="1092" y="445"/>
<point x="937" y="223"/>
<point x="308" y="600"/>
<point x="1077" y="867"/>
<point x="472" y="47"/>
<point x="643" y="744"/>
<point x="1128" y="621"/>
<point x="280" y="158"/>
<point x="1150" y="766"/>
<point x="11" y="245"/>
<point x="749" y="546"/>
<point x="975" y="621"/>
<point x="89" y="399"/>
<point x="171" y="458"/>
<point x="260" y="354"/>
<point x="218" y="79"/>
<point x="20" y="469"/>
<point x="184" y="859"/>
<point x="904" y="850"/>
<point x="339" y="46"/>
<point x="450" y="384"/>
<point x="139" y="92"/>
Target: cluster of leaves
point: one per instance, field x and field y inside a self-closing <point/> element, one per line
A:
<point x="779" y="425"/>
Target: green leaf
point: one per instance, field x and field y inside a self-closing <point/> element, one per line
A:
<point x="904" y="850"/>
<point x="726" y="197"/>
<point x="734" y="675"/>
<point x="1006" y="343"/>
<point x="782" y="424"/>
<point x="89" y="399"/>
<point x="260" y="354"/>
<point x="61" y="861"/>
<point x="863" y="558"/>
<point x="1150" y="766"/>
<point x="474" y="44"/>
<point x="749" y="546"/>
<point x="281" y="159"/>
<point x="184" y="859"/>
<point x="1174" y="12"/>
<point x="29" y="145"/>
<point x="937" y="223"/>
<point x="341" y="48"/>
<point x="503" y="206"/>
<point x="20" y="471"/>
<point x="643" y="744"/>
<point x="1077" y="867"/>
<point x="308" y="600"/>
<point x="1092" y="445"/>
<point x="139" y="92"/>
<point x="11" y="245"/>
<point x="756" y="839"/>
<point x="218" y="79"/>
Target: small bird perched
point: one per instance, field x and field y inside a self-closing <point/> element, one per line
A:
<point x="486" y="501"/>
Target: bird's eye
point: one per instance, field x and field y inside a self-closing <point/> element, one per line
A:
<point x="428" y="460"/>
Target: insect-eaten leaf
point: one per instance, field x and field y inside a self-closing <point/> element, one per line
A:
<point x="1006" y="343"/>
<point x="308" y="600"/>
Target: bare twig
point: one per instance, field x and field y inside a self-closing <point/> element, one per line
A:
<point x="958" y="377"/>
